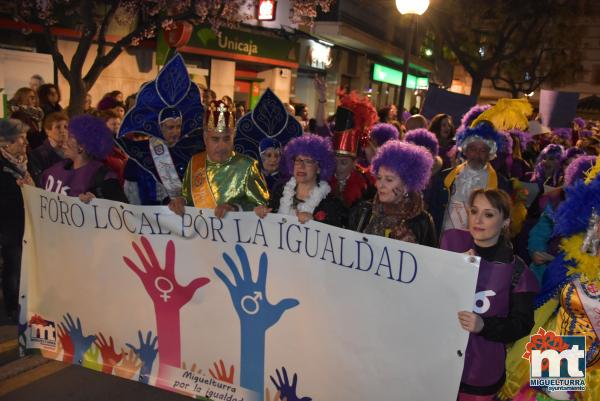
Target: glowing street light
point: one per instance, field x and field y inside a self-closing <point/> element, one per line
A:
<point x="415" y="7"/>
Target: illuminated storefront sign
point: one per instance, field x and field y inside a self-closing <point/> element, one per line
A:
<point x="319" y="55"/>
<point x="266" y="10"/>
<point x="391" y="76"/>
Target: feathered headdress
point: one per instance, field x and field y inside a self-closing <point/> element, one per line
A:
<point x="507" y="114"/>
<point x="471" y="115"/>
<point x="365" y="114"/>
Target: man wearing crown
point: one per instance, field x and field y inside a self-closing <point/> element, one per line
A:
<point x="220" y="178"/>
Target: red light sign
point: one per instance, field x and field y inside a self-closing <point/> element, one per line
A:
<point x="266" y="10"/>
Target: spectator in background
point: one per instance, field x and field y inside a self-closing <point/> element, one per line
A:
<point x="416" y="121"/>
<point x="130" y="102"/>
<point x="87" y="105"/>
<point x="441" y="125"/>
<point x="110" y="103"/>
<point x="24" y="107"/>
<point x="49" y="96"/>
<point x="117" y="95"/>
<point x="379" y="135"/>
<point x="51" y="151"/>
<point x="240" y="110"/>
<point x="35" y="82"/>
<point x="301" y="114"/>
<point x="112" y="120"/>
<point x="270" y="158"/>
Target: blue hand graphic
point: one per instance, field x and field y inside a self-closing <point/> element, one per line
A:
<point x="286" y="390"/>
<point x="147" y="353"/>
<point x="256" y="315"/>
<point x="81" y="343"/>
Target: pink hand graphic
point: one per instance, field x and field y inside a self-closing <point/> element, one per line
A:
<point x="168" y="297"/>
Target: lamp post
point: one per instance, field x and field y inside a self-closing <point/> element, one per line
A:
<point x="414" y="7"/>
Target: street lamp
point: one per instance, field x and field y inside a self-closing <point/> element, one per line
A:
<point x="415" y="7"/>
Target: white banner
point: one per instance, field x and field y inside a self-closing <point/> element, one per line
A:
<point x="239" y="308"/>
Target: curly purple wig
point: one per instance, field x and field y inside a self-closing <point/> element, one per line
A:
<point x="472" y="114"/>
<point x="574" y="152"/>
<point x="315" y="147"/>
<point x="411" y="162"/>
<point x="577" y="169"/>
<point x="586" y="133"/>
<point x="523" y="136"/>
<point x="579" y="122"/>
<point x="563" y="133"/>
<point x="383" y="132"/>
<point x="550" y="151"/>
<point x="92" y="134"/>
<point x="425" y="138"/>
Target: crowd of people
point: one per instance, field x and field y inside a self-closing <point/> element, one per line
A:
<point x="492" y="187"/>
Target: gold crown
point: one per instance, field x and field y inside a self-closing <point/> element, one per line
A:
<point x="220" y="117"/>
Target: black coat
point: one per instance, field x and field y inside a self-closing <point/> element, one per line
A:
<point x="12" y="213"/>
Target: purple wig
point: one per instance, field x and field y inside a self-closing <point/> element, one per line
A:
<point x="472" y="114"/>
<point x="579" y="122"/>
<point x="523" y="136"/>
<point x="563" y="133"/>
<point x="315" y="147"/>
<point x="586" y="133"/>
<point x="574" y="152"/>
<point x="92" y="134"/>
<point x="383" y="132"/>
<point x="425" y="138"/>
<point x="550" y="151"/>
<point x="484" y="132"/>
<point x="405" y="116"/>
<point x="506" y="142"/>
<point x="577" y="169"/>
<point x="412" y="163"/>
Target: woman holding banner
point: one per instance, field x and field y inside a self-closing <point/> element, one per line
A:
<point x="13" y="172"/>
<point x="398" y="211"/>
<point x="503" y="310"/>
<point x="306" y="194"/>
<point x="83" y="172"/>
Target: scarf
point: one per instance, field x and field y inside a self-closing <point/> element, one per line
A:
<point x="18" y="164"/>
<point x="286" y="204"/>
<point x="390" y="219"/>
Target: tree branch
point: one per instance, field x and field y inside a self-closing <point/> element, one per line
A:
<point x="57" y="57"/>
<point x="89" y="31"/>
<point x="114" y="5"/>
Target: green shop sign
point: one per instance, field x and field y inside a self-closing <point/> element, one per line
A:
<point x="237" y="43"/>
<point x="391" y="76"/>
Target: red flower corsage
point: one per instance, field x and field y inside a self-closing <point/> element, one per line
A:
<point x="320" y="215"/>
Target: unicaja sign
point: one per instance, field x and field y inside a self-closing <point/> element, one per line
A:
<point x="248" y="48"/>
<point x="557" y="362"/>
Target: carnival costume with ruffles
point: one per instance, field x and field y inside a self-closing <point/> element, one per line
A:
<point x="236" y="181"/>
<point x="154" y="171"/>
<point x="569" y="303"/>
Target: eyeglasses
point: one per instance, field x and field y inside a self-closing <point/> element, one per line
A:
<point x="304" y="162"/>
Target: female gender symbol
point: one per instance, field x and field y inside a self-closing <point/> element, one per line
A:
<point x="164" y="291"/>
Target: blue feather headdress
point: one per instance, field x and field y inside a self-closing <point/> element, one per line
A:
<point x="485" y="132"/>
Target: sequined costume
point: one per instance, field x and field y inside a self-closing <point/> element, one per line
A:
<point x="154" y="170"/>
<point x="237" y="181"/>
<point x="569" y="303"/>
